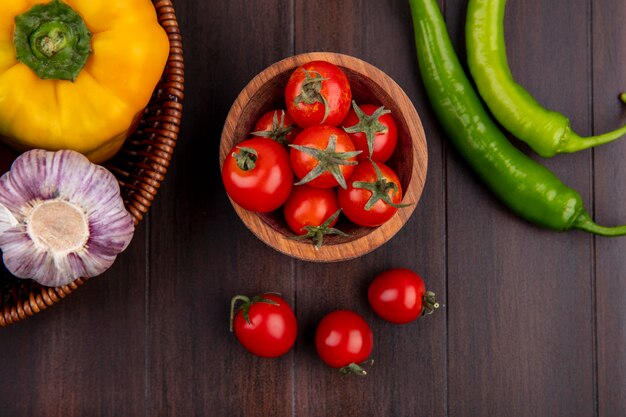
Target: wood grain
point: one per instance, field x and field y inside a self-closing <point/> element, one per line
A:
<point x="609" y="79"/>
<point x="84" y="356"/>
<point x="201" y="254"/>
<point x="519" y="297"/>
<point x="369" y="85"/>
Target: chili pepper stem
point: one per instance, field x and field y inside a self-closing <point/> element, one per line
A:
<point x="585" y="223"/>
<point x="575" y="143"/>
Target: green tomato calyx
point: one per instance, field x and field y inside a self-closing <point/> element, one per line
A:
<point x="328" y="160"/>
<point x="311" y="91"/>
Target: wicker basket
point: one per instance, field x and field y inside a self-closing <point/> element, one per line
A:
<point x="140" y="166"/>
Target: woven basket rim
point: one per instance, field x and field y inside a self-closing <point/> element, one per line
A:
<point x="139" y="167"/>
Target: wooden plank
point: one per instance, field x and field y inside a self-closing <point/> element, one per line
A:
<point x="409" y="370"/>
<point x="609" y="59"/>
<point x="200" y="253"/>
<point x="520" y="298"/>
<point x="83" y="356"/>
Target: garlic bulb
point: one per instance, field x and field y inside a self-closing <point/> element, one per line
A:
<point x="61" y="218"/>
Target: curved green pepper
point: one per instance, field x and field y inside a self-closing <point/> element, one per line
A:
<point x="527" y="187"/>
<point x="547" y="132"/>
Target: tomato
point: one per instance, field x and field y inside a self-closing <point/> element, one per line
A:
<point x="323" y="157"/>
<point x="270" y="328"/>
<point x="318" y="92"/>
<point x="343" y="339"/>
<point x="400" y="296"/>
<point x="373" y="131"/>
<point x="312" y="213"/>
<point x="278" y="126"/>
<point x="373" y="195"/>
<point x="257" y="175"/>
<point x="308" y="206"/>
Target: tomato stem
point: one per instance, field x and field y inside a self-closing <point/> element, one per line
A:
<point x="246" y="302"/>
<point x="356" y="369"/>
<point x="278" y="132"/>
<point x="233" y="302"/>
<point x="246" y="158"/>
<point x="379" y="189"/>
<point x="311" y="91"/>
<point x="317" y="233"/>
<point x="369" y="125"/>
<point x="328" y="160"/>
<point x="429" y="303"/>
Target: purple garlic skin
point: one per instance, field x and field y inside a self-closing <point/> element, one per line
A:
<point x="61" y="218"/>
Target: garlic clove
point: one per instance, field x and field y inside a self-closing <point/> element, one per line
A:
<point x="7" y="220"/>
<point x="70" y="218"/>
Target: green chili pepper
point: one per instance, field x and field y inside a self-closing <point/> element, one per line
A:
<point x="547" y="132"/>
<point x="527" y="187"/>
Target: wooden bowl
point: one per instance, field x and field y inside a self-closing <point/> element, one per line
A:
<point x="369" y="84"/>
<point x="140" y="167"/>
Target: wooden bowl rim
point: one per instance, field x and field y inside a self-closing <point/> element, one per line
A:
<point x="380" y="235"/>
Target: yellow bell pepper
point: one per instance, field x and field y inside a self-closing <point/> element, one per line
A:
<point x="77" y="74"/>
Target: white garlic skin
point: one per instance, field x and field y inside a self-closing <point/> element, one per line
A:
<point x="66" y="218"/>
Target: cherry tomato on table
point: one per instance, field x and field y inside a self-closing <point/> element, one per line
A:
<point x="265" y="324"/>
<point x="399" y="296"/>
<point x="318" y="92"/>
<point x="323" y="157"/>
<point x="257" y="174"/>
<point x="373" y="130"/>
<point x="312" y="212"/>
<point x="373" y="195"/>
<point x="343" y="339"/>
<point x="278" y="126"/>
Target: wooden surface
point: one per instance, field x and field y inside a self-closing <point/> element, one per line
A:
<point x="533" y="322"/>
<point x="266" y="91"/>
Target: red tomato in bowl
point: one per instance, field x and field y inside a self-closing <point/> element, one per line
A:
<point x="257" y="175"/>
<point x="323" y="157"/>
<point x="399" y="296"/>
<point x="317" y="93"/>
<point x="265" y="325"/>
<point x="371" y="198"/>
<point x="343" y="339"/>
<point x="371" y="126"/>
<point x="278" y="126"/>
<point x="312" y="212"/>
<point x="308" y="206"/>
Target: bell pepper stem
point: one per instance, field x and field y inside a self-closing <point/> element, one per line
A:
<point x="53" y="40"/>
